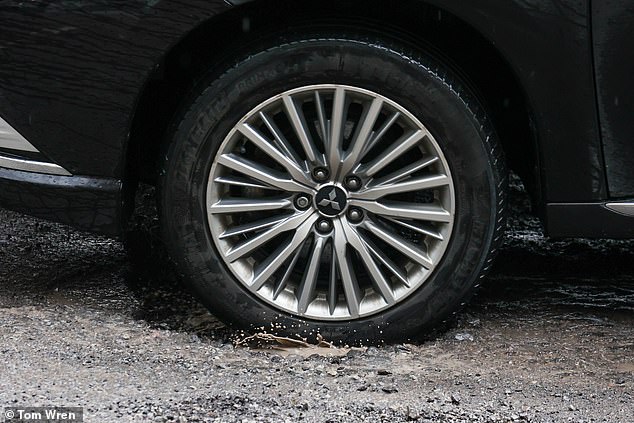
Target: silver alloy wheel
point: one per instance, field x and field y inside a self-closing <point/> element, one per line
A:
<point x="330" y="202"/>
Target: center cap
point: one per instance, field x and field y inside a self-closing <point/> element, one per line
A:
<point x="331" y="200"/>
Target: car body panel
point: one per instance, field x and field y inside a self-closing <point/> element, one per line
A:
<point x="547" y="42"/>
<point x="613" y="33"/>
<point x="73" y="74"/>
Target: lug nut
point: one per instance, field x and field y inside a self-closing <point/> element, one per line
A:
<point x="320" y="174"/>
<point x="323" y="225"/>
<point x="353" y="183"/>
<point x="355" y="215"/>
<point x="302" y="202"/>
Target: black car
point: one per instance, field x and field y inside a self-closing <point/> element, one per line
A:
<point x="336" y="167"/>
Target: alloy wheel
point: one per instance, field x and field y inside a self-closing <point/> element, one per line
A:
<point x="330" y="202"/>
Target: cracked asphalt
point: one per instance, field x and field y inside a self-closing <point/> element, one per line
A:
<point x="85" y="321"/>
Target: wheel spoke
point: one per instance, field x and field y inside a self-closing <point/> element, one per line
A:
<point x="321" y="115"/>
<point x="283" y="282"/>
<point x="280" y="139"/>
<point x="429" y="231"/>
<point x="387" y="262"/>
<point x="309" y="281"/>
<point x="259" y="240"/>
<point x="242" y="182"/>
<point x="413" y="184"/>
<point x="403" y="173"/>
<point x="301" y="130"/>
<point x="252" y="227"/>
<point x="351" y="288"/>
<point x="428" y="212"/>
<point x="383" y="286"/>
<point x="272" y="263"/>
<point x="362" y="135"/>
<point x="335" y="139"/>
<point x="393" y="152"/>
<point x="261" y="173"/>
<point x="240" y="205"/>
<point x="287" y="162"/>
<point x="332" y="283"/>
<point x="400" y="244"/>
<point x="376" y="138"/>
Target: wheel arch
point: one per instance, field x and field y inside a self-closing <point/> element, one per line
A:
<point x="415" y="23"/>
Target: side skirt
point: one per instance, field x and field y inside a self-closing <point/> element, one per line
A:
<point x="86" y="203"/>
<point x="591" y="220"/>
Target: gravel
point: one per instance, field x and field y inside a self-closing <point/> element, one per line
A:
<point x="86" y="322"/>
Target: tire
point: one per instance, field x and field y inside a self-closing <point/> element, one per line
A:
<point x="411" y="274"/>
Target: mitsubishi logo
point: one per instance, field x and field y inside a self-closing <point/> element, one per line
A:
<point x="331" y="200"/>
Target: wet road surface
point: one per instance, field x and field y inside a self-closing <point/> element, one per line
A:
<point x="83" y="322"/>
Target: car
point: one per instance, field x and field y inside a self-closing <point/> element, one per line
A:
<point x="323" y="168"/>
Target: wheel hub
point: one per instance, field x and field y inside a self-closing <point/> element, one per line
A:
<point x="331" y="201"/>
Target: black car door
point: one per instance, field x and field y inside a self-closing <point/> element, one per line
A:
<point x="613" y="41"/>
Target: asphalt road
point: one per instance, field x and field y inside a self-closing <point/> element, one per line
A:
<point x="83" y="322"/>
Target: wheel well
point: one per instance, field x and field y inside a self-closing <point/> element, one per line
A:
<point x="215" y="43"/>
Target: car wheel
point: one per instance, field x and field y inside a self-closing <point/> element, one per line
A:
<point x="333" y="185"/>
